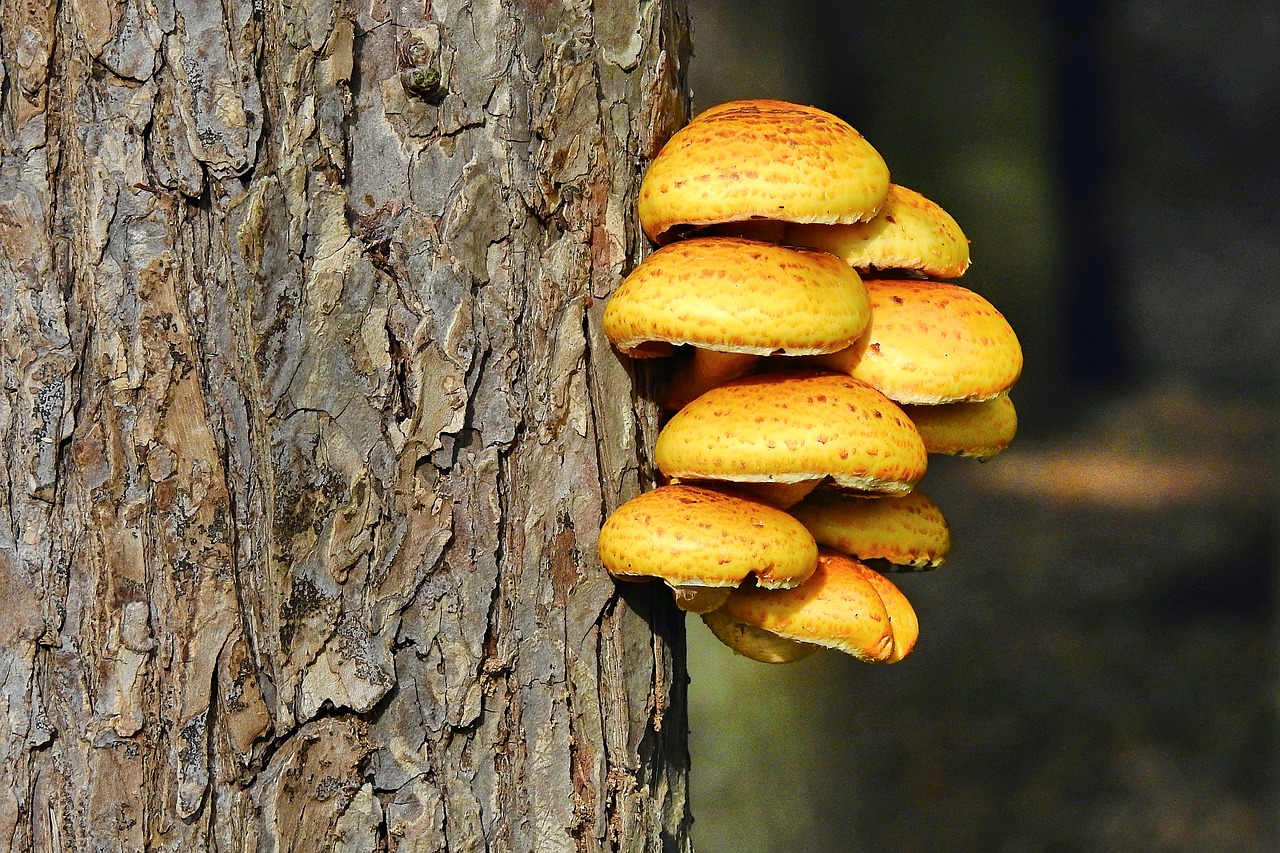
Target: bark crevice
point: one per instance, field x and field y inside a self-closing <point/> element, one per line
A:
<point x="309" y="426"/>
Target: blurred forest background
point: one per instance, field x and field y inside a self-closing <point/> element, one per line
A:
<point x="1097" y="663"/>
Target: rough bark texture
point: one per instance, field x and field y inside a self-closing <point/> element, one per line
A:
<point x="308" y="427"/>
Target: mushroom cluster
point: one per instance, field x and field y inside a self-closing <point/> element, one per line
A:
<point x="821" y="352"/>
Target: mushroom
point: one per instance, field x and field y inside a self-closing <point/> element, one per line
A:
<point x="980" y="429"/>
<point x="909" y="233"/>
<point x="784" y="206"/>
<point x="704" y="542"/>
<point x="931" y="342"/>
<point x="845" y="606"/>
<point x="794" y="427"/>
<point x="734" y="301"/>
<point x="761" y="159"/>
<point x="907" y="532"/>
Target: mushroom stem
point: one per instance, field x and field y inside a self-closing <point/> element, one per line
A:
<point x="841" y="361"/>
<point x="700" y="599"/>
<point x="765" y="230"/>
<point x="781" y="495"/>
<point x="706" y="370"/>
<point x="651" y="349"/>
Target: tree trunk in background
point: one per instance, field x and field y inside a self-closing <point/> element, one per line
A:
<point x="309" y="427"/>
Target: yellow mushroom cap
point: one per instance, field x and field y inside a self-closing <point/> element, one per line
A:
<point x="979" y="429"/>
<point x="690" y="536"/>
<point x="741" y="296"/>
<point x="908" y="531"/>
<point x="761" y="159"/>
<point x="793" y="426"/>
<point x="844" y="605"/>
<point x="909" y="233"/>
<point x="755" y="643"/>
<point x="932" y="342"/>
<point x="902" y="616"/>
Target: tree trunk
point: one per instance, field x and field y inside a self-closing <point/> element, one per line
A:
<point x="309" y="427"/>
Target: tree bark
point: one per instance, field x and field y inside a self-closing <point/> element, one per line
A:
<point x="309" y="427"/>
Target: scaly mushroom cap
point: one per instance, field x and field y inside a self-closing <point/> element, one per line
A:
<point x="980" y="429"/>
<point x="761" y="159"/>
<point x="790" y="427"/>
<point x="908" y="531"/>
<point x="902" y="616"/>
<point x="697" y="538"/>
<point x="844" y="605"/>
<point x="740" y="296"/>
<point x="756" y="643"/>
<point x="909" y="233"/>
<point x="931" y="342"/>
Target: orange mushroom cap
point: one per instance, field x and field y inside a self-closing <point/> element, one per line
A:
<point x="902" y="616"/>
<point x="908" y="531"/>
<point x="844" y="605"/>
<point x="741" y="296"/>
<point x="909" y="233"/>
<point x="931" y="342"/>
<point x="980" y="429"/>
<point x="794" y="426"/>
<point x="697" y="538"/>
<point x="761" y="159"/>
